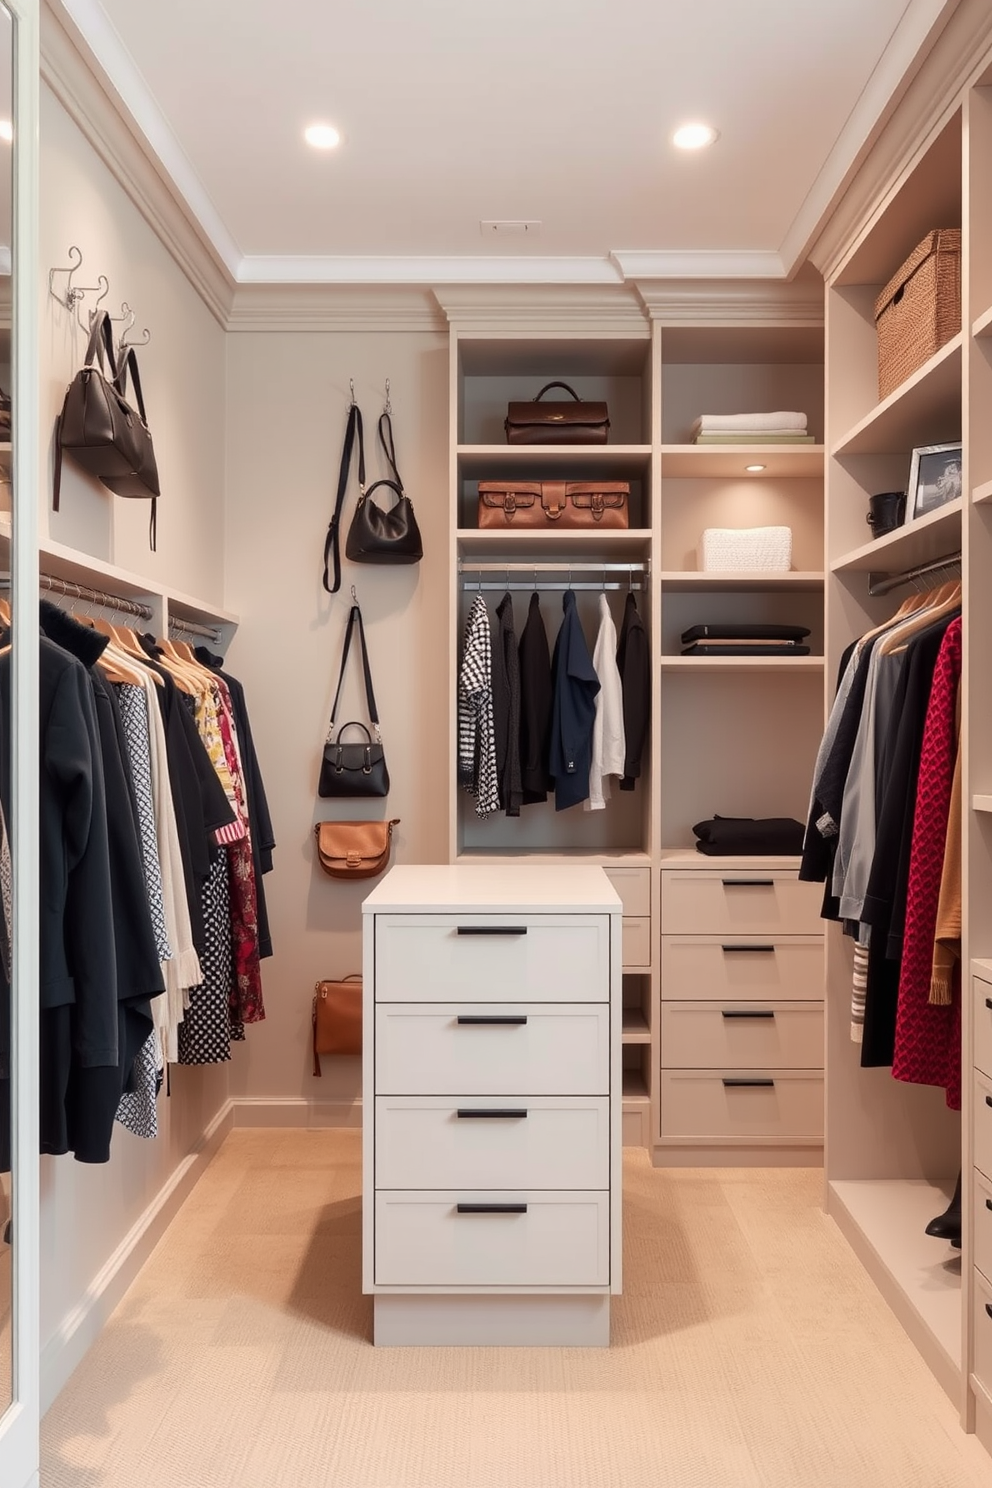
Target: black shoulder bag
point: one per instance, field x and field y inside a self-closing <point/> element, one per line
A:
<point x="354" y="769"/>
<point x="379" y="536"/>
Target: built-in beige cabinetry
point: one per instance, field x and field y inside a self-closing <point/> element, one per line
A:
<point x="734" y="736"/>
<point x="894" y="1149"/>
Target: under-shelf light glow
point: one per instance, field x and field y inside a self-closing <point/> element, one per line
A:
<point x="6" y="130"/>
<point x="753" y="469"/>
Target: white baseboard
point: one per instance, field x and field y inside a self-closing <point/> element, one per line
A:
<point x="82" y="1325"/>
<point x="249" y="1111"/>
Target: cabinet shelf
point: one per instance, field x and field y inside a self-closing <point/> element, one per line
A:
<point x="981" y="803"/>
<point x="611" y="544"/>
<point x="635" y="1027"/>
<point x="614" y="461"/>
<point x="982" y="325"/>
<point x="634" y="1086"/>
<point x="981" y="494"/>
<point x="779" y="460"/>
<point x="727" y="664"/>
<point x="925" y="409"/>
<point x="678" y="580"/>
<point x="922" y="541"/>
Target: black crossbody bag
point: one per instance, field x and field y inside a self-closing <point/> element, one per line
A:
<point x="354" y="769"/>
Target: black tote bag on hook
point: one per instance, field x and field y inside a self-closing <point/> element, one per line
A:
<point x="377" y="535"/>
<point x="356" y="768"/>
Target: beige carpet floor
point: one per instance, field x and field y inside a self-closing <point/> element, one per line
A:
<point x="750" y="1351"/>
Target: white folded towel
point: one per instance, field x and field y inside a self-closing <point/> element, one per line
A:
<point x="733" y="423"/>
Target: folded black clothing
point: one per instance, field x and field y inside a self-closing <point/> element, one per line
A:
<point x="742" y="835"/>
<point x="713" y="648"/>
<point x="724" y="631"/>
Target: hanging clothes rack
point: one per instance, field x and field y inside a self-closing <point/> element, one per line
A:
<point x="99" y="597"/>
<point x="879" y="584"/>
<point x="548" y="576"/>
<point x="193" y="628"/>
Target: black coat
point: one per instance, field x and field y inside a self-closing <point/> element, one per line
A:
<point x="535" y="706"/>
<point x="506" y="707"/>
<point x="634" y="666"/>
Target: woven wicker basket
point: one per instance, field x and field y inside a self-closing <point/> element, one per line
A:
<point x="919" y="309"/>
<point x="745" y="550"/>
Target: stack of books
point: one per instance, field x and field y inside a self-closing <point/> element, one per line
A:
<point x="725" y="639"/>
<point x="751" y="428"/>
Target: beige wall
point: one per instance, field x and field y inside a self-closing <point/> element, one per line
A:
<point x="88" y="1211"/>
<point x="182" y="372"/>
<point x="287" y="405"/>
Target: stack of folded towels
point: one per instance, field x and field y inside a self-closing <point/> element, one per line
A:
<point x="742" y="836"/>
<point x="723" y="639"/>
<point x="751" y="428"/>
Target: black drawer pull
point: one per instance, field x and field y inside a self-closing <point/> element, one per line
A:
<point x="744" y="1013"/>
<point x="468" y="1114"/>
<point x="749" y="950"/>
<point x="491" y="1208"/>
<point x="748" y="883"/>
<point x="988" y="1100"/>
<point x="748" y="1084"/>
<point x="491" y="1020"/>
<point x="988" y="1203"/>
<point x="988" y="1308"/>
<point x="492" y="930"/>
<point x="988" y="1002"/>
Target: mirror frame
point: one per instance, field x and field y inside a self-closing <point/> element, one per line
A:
<point x="20" y="1423"/>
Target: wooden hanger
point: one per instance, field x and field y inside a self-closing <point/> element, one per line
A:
<point x="118" y="657"/>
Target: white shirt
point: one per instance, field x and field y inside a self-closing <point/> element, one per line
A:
<point x="608" y="742"/>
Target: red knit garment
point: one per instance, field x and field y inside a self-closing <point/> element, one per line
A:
<point x="928" y="1037"/>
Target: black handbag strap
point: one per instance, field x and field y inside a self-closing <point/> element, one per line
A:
<point x="549" y="385"/>
<point x="389" y="447"/>
<point x="332" y="542"/>
<point x="393" y="486"/>
<point x="355" y="618"/>
<point x="130" y="362"/>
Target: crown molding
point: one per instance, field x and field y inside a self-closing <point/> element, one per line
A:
<point x="958" y="56"/>
<point x="733" y="302"/>
<point x="426" y="269"/>
<point x="333" y="307"/>
<point x="905" y="54"/>
<point x="698" y="263"/>
<point x="545" y="308"/>
<point x="74" y="77"/>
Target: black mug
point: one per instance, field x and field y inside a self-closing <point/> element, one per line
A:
<point x="886" y="512"/>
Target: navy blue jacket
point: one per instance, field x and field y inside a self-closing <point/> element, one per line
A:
<point x="574" y="686"/>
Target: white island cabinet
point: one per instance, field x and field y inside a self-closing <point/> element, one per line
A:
<point x="492" y="1101"/>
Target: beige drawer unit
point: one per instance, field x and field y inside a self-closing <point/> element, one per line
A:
<point x="706" y="1035"/>
<point x="513" y="957"/>
<point x="982" y="1325"/>
<point x="636" y="944"/>
<point x="722" y="1105"/>
<point x="531" y="1142"/>
<point x="634" y="887"/>
<point x="488" y="1048"/>
<point x="728" y="968"/>
<point x="485" y="1238"/>
<point x="983" y="1123"/>
<point x="983" y="1224"/>
<point x="982" y="995"/>
<point x="744" y="901"/>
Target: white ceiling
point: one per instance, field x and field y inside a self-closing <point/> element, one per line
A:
<point x="454" y="111"/>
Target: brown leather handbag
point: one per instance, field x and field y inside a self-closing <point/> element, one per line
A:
<point x="557" y="422"/>
<point x="337" y="1018"/>
<point x="354" y="849"/>
<point x="557" y="503"/>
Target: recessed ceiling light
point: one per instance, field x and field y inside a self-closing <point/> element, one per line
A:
<point x="754" y="468"/>
<point x="694" y="136"/>
<point x="322" y="136"/>
<point x="6" y="130"/>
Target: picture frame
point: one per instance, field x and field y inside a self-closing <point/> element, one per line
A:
<point x="935" y="478"/>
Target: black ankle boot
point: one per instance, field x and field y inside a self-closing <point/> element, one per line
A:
<point x="947" y="1226"/>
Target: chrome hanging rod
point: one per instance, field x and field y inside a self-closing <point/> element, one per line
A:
<point x="879" y="583"/>
<point x="473" y="586"/>
<point x="95" y="596"/>
<point x="565" y="568"/>
<point x="193" y="628"/>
